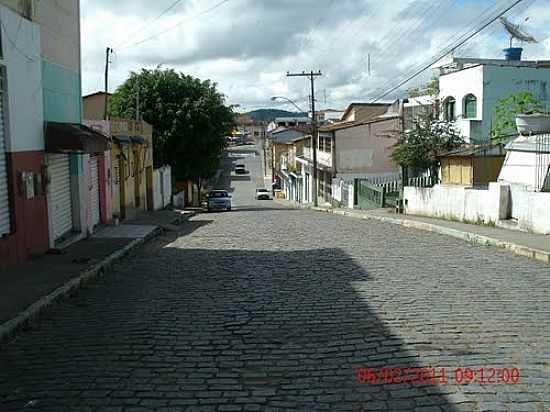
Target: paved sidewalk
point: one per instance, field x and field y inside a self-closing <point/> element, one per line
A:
<point x="531" y="245"/>
<point x="28" y="288"/>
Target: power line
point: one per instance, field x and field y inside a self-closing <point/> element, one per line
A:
<point x="450" y="41"/>
<point x="149" y="21"/>
<point x="439" y="57"/>
<point x="202" y="13"/>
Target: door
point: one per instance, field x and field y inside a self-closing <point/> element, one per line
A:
<point x="94" y="190"/>
<point x="60" y="194"/>
<point x="137" y="179"/>
<point x="122" y="185"/>
<point x="4" y="200"/>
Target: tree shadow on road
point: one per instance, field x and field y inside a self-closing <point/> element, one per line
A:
<point x="281" y="330"/>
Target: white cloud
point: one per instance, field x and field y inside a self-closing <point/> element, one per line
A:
<point x="246" y="46"/>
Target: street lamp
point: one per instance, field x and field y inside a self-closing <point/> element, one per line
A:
<point x="288" y="100"/>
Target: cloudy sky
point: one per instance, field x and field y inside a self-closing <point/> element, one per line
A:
<point x="247" y="46"/>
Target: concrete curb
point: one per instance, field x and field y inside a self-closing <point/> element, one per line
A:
<point x="473" y="238"/>
<point x="11" y="327"/>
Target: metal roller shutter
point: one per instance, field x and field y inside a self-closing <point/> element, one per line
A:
<point x="60" y="190"/>
<point x="4" y="200"/>
<point x="94" y="190"/>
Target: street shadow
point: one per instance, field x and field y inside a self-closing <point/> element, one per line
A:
<point x="286" y="330"/>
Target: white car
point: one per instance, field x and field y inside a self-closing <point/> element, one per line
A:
<point x="262" y="194"/>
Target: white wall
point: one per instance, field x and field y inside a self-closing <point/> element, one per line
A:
<point x="458" y="202"/>
<point x="530" y="209"/>
<point x="521" y="168"/>
<point x="22" y="58"/>
<point x="162" y="187"/>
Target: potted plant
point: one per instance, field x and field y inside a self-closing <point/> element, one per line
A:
<point x="533" y="122"/>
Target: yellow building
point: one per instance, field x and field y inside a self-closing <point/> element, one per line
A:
<point x="131" y="157"/>
<point x="132" y="165"/>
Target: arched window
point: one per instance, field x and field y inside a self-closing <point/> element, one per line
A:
<point x="450" y="109"/>
<point x="470" y="107"/>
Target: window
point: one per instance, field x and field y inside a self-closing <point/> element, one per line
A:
<point x="470" y="107"/>
<point x="450" y="109"/>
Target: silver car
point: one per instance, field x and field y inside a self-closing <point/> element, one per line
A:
<point x="218" y="200"/>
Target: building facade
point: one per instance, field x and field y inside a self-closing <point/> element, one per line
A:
<point x="46" y="171"/>
<point x="471" y="88"/>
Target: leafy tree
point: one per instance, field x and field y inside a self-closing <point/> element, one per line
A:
<point x="189" y="117"/>
<point x="420" y="147"/>
<point x="431" y="89"/>
<point x="506" y="111"/>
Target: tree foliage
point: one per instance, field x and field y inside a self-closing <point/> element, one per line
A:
<point x="506" y="111"/>
<point x="431" y="88"/>
<point x="189" y="117"/>
<point x="420" y="147"/>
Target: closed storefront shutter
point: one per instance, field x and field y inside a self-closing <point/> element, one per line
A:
<point x="94" y="169"/>
<point x="60" y="194"/>
<point x="4" y="201"/>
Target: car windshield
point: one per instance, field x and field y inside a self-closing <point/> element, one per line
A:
<point x="261" y="190"/>
<point x="239" y="166"/>
<point x="217" y="194"/>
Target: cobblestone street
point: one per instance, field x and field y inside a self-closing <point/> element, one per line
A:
<point x="271" y="309"/>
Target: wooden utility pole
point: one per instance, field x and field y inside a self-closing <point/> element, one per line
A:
<point x="314" y="133"/>
<point x="108" y="52"/>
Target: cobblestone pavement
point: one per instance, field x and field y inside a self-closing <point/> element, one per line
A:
<point x="266" y="309"/>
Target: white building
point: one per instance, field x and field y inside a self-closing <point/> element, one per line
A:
<point x="470" y="90"/>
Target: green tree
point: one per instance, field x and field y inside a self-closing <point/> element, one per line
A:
<point x="431" y="89"/>
<point x="189" y="117"/>
<point x="506" y="111"/>
<point x="420" y="147"/>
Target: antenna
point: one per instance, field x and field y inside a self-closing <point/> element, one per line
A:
<point x="515" y="32"/>
<point x="368" y="63"/>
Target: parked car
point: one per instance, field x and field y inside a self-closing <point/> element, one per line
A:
<point x="262" y="194"/>
<point x="240" y="169"/>
<point x="218" y="200"/>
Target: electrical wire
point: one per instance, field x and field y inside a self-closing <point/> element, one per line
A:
<point x="175" y="26"/>
<point x="446" y="52"/>
<point x="451" y="40"/>
<point x="148" y="22"/>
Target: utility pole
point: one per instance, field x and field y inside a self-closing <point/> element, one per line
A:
<point x="108" y="52"/>
<point x="314" y="133"/>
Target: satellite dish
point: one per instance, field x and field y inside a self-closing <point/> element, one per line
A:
<point x="515" y="32"/>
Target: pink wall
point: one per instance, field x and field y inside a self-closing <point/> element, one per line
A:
<point x="105" y="189"/>
<point x="29" y="217"/>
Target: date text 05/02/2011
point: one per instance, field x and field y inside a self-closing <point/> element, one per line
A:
<point x="438" y="376"/>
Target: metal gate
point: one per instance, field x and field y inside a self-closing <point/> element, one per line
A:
<point x="94" y="190"/>
<point x="4" y="200"/>
<point x="368" y="196"/>
<point x="60" y="194"/>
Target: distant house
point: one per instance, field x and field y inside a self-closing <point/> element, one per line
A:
<point x="285" y="168"/>
<point x="470" y="89"/>
<point x="292" y="121"/>
<point x="94" y="109"/>
<point x="361" y="112"/>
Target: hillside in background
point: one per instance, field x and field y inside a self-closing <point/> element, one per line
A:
<point x="266" y="115"/>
